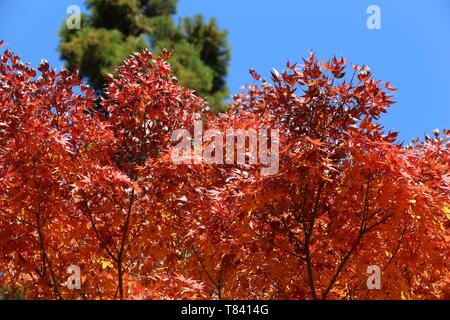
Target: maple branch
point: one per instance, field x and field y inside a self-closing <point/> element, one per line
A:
<point x="127" y="225"/>
<point x="394" y="253"/>
<point x="292" y="235"/>
<point x="380" y="222"/>
<point x="308" y="233"/>
<point x="361" y="285"/>
<point x="17" y="219"/>
<point x="45" y="259"/>
<point x="316" y="207"/>
<point x="343" y="102"/>
<point x="220" y="283"/>
<point x="44" y="255"/>
<point x="94" y="226"/>
<point x="288" y="251"/>
<point x="353" y="77"/>
<point x="342" y="264"/>
<point x="310" y="271"/>
<point x="362" y="231"/>
<point x="210" y="278"/>
<point x="374" y="214"/>
<point x="122" y="245"/>
<point x="397" y="249"/>
<point x="135" y="232"/>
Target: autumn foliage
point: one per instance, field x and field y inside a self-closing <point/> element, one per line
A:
<point x="90" y="182"/>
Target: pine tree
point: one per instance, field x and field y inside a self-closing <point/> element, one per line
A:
<point x="115" y="29"/>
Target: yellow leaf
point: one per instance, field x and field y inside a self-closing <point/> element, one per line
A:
<point x="447" y="212"/>
<point x="106" y="264"/>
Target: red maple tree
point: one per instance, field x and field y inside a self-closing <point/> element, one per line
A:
<point x="91" y="183"/>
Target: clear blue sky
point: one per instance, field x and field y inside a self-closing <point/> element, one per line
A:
<point x="412" y="49"/>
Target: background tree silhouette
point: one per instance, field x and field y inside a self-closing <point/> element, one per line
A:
<point x="115" y="29"/>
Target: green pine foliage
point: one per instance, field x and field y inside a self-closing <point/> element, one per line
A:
<point x="115" y="29"/>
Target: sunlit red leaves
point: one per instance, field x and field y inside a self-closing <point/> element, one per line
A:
<point x="362" y="170"/>
<point x="255" y="75"/>
<point x="336" y="67"/>
<point x="388" y="86"/>
<point x="102" y="193"/>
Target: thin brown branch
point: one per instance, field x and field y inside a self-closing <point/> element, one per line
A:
<point x="94" y="226"/>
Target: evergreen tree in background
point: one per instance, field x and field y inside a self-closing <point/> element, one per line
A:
<point x="116" y="28"/>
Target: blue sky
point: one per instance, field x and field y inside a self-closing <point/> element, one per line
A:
<point x="412" y="49"/>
